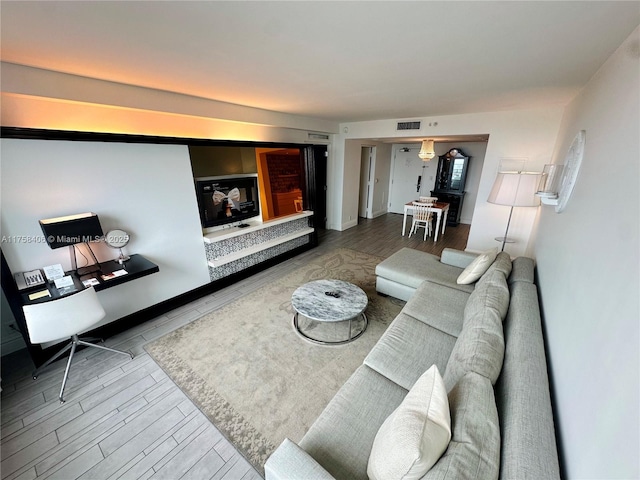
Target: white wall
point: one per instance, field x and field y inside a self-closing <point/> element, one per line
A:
<point x="351" y="175"/>
<point x="588" y="267"/>
<point x="146" y="190"/>
<point x="524" y="133"/>
<point x="350" y="196"/>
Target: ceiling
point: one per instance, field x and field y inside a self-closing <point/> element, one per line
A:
<point x="339" y="61"/>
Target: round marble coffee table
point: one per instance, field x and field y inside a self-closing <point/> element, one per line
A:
<point x="330" y="301"/>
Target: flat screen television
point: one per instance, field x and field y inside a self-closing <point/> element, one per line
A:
<point x="227" y="199"/>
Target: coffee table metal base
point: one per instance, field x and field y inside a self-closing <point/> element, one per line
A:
<point x="351" y="338"/>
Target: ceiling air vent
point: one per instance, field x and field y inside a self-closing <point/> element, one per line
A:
<point x="317" y="136"/>
<point x="408" y="126"/>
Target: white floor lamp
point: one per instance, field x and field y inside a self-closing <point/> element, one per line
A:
<point x="515" y="189"/>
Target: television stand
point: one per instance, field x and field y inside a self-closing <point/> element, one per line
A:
<point x="232" y="250"/>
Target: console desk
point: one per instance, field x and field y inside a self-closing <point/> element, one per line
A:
<point x="137" y="266"/>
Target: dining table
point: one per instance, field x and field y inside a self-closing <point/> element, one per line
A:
<point x="439" y="208"/>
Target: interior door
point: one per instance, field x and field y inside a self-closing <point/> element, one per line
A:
<point x="366" y="162"/>
<point x="315" y="158"/>
<point x="406" y="177"/>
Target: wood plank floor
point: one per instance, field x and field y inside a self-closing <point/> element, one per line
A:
<point x="125" y="419"/>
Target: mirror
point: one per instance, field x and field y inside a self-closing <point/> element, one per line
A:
<point x="456" y="173"/>
<point x="117" y="239"/>
<point x="452" y="171"/>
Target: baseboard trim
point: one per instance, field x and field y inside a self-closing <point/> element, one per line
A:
<point x="349" y="224"/>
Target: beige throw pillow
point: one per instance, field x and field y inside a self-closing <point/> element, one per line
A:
<point x="415" y="435"/>
<point x="477" y="268"/>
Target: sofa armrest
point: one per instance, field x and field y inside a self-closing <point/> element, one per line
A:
<point x="290" y="461"/>
<point x="457" y="258"/>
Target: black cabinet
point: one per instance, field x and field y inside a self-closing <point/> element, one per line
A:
<point x="450" y="182"/>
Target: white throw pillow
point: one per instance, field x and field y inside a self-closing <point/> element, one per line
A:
<point x="477" y="268"/>
<point x="415" y="435"/>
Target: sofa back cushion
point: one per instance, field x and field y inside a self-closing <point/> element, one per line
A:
<point x="523" y="270"/>
<point x="491" y="292"/>
<point x="480" y="346"/>
<point x="474" y="449"/>
<point x="502" y="264"/>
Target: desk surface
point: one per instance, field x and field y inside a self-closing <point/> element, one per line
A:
<point x="137" y="266"/>
<point x="440" y="205"/>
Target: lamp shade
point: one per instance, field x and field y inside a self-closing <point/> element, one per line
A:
<point x="426" y="150"/>
<point x="71" y="229"/>
<point x="515" y="189"/>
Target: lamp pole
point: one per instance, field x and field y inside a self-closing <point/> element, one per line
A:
<point x="504" y="239"/>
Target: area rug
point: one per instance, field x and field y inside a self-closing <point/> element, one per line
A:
<point x="254" y="377"/>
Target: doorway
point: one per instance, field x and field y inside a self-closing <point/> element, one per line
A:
<point x="367" y="156"/>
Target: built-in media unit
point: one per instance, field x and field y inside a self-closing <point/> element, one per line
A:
<point x="227" y="199"/>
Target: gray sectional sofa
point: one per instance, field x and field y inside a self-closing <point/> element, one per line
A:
<point x="487" y="340"/>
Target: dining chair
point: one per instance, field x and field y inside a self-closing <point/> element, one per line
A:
<point x="65" y="317"/>
<point x="422" y="217"/>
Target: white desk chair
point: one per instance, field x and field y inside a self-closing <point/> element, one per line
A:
<point x="422" y="217"/>
<point x="65" y="317"/>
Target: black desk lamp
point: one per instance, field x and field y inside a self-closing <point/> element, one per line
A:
<point x="71" y="230"/>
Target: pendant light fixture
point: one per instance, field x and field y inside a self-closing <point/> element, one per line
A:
<point x="426" y="150"/>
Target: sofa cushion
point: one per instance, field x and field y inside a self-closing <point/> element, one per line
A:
<point x="474" y="450"/>
<point x="522" y="271"/>
<point x="477" y="267"/>
<point x="407" y="349"/>
<point x="411" y="267"/>
<point x="290" y="461"/>
<point x="458" y="258"/>
<point x="502" y="264"/>
<point x="522" y="393"/>
<point x="415" y="435"/>
<point x="479" y="348"/>
<point x="439" y="306"/>
<point x="492" y="293"/>
<point x="341" y="438"/>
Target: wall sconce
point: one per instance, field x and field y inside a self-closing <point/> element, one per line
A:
<point x="558" y="181"/>
<point x="550" y="183"/>
<point x="426" y="150"/>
